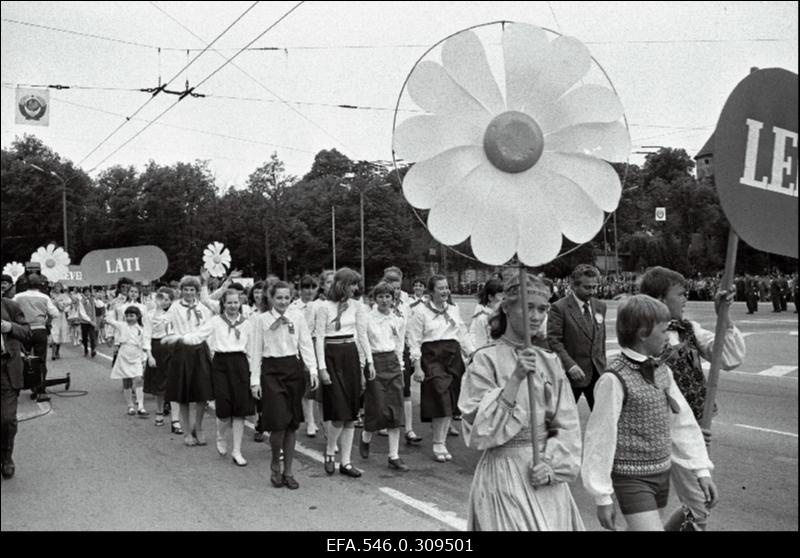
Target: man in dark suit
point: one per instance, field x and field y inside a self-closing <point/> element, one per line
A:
<point x="15" y="332"/>
<point x="751" y="292"/>
<point x="576" y="331"/>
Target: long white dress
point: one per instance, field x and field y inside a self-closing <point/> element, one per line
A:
<point x="502" y="497"/>
<point x="59" y="329"/>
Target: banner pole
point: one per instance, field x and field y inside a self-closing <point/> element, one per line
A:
<point x="523" y="285"/>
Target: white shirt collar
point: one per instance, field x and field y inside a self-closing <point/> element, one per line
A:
<point x="633" y="355"/>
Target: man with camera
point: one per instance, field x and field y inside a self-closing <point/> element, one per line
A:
<point x="15" y="332"/>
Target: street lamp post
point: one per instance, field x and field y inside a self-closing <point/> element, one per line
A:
<point x="63" y="199"/>
<point x="361" y="192"/>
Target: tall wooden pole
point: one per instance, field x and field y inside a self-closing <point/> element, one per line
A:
<point x="523" y="293"/>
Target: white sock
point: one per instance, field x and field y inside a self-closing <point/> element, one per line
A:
<point x="308" y="415"/>
<point x="174" y="411"/>
<point x="238" y="432"/>
<point x="222" y="429"/>
<point x="333" y="436"/>
<point x="394" y="443"/>
<point x="409" y="415"/>
<point x="127" y="394"/>
<point x="140" y="397"/>
<point x="366" y="436"/>
<point x="347" y="444"/>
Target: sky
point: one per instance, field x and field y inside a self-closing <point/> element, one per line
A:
<point x="673" y="65"/>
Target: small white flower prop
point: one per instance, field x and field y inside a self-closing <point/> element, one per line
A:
<point x="14" y="269"/>
<point x="512" y="173"/>
<point x="216" y="259"/>
<point x="54" y="262"/>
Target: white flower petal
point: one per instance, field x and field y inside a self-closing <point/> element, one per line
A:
<point x="495" y="233"/>
<point x="422" y="137"/>
<point x="590" y="103"/>
<point x="525" y="49"/>
<point x="608" y="141"/>
<point x="566" y="62"/>
<point x="427" y="180"/>
<point x="539" y="234"/>
<point x="595" y="177"/>
<point x="433" y="90"/>
<point x="452" y="218"/>
<point x="218" y="246"/>
<point x="579" y="218"/>
<point x="465" y="60"/>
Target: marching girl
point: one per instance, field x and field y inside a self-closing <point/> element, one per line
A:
<point x="228" y="334"/>
<point x="60" y="327"/>
<point x="258" y="301"/>
<point x="419" y="296"/>
<point x="189" y="366"/>
<point x="87" y="314"/>
<point x="278" y="379"/>
<point x="155" y="377"/>
<point x="508" y="493"/>
<point x="437" y="338"/>
<point x="305" y="305"/>
<point x="325" y="284"/>
<point x="342" y="343"/>
<point x="134" y="352"/>
<point x="489" y="300"/>
<point x="74" y="319"/>
<point x="383" y="399"/>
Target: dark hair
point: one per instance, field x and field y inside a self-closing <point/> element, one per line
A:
<point x="133" y="286"/>
<point x="656" y="281"/>
<point x="491" y="288"/>
<point x="124" y="281"/>
<point x="432" y="280"/>
<point x="250" y="294"/>
<point x="498" y="322"/>
<point x="307" y="282"/>
<point x="279" y="285"/>
<point x="636" y="313"/>
<point x="237" y="287"/>
<point x="380" y="289"/>
<point x="134" y="311"/>
<point x="584" y="270"/>
<point x="420" y="280"/>
<point x="342" y="279"/>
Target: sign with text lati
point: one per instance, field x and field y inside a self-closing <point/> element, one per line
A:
<point x="755" y="160"/>
<point x="138" y="263"/>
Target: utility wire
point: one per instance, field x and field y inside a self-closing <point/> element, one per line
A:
<point x="254" y="80"/>
<point x="162" y="87"/>
<point x="228" y="61"/>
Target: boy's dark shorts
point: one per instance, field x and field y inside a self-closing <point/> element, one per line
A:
<point x="641" y="494"/>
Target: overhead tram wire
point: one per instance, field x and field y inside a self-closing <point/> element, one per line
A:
<point x="164" y="86"/>
<point x="212" y="74"/>
<point x="258" y="82"/>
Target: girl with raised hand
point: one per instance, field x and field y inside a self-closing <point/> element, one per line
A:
<point x="134" y="353"/>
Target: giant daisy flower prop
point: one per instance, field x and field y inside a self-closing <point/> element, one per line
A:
<point x="216" y="259"/>
<point x="54" y="262"/>
<point x="512" y="171"/>
<point x="14" y="269"/>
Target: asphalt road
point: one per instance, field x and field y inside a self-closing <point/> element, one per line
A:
<point x="86" y="465"/>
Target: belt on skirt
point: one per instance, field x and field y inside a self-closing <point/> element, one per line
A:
<point x="336" y="340"/>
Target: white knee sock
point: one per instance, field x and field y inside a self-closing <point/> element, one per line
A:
<point x="347" y="444"/>
<point x="366" y="436"/>
<point x="127" y="394"/>
<point x="333" y="435"/>
<point x="174" y="411"/>
<point x="308" y="415"/>
<point x="140" y="396"/>
<point x="238" y="432"/>
<point x="409" y="415"/>
<point x="394" y="443"/>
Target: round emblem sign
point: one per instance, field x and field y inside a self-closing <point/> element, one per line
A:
<point x="755" y="160"/>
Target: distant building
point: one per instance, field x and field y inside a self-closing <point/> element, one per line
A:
<point x="705" y="160"/>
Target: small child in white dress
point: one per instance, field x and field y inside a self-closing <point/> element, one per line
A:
<point x="134" y="352"/>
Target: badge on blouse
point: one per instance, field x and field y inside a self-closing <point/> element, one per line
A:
<point x="599" y="318"/>
<point x="291" y="329"/>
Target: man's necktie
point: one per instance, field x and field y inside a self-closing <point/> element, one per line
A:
<point x="341" y="309"/>
<point x="587" y="315"/>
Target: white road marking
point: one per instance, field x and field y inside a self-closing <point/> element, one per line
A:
<point x="446" y="517"/>
<point x="793" y="333"/>
<point x="777" y="371"/>
<point x="793" y="435"/>
<point x="767" y="321"/>
<point x="753" y="375"/>
<point x="104" y="356"/>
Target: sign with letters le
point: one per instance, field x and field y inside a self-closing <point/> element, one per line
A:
<point x="755" y="160"/>
<point x="138" y="263"/>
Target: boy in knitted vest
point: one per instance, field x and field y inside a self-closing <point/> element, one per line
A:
<point x="687" y="343"/>
<point x="641" y="425"/>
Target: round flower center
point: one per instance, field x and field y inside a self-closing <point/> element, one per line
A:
<point x="50" y="262"/>
<point x="217" y="259"/>
<point x="513" y="142"/>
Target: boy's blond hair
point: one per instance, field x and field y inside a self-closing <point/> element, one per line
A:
<point x="639" y="312"/>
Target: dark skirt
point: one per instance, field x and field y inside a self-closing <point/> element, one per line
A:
<point x="230" y="378"/>
<point x="155" y="377"/>
<point x="189" y="374"/>
<point x="340" y="400"/>
<point x="443" y="368"/>
<point x="383" y="399"/>
<point x="282" y="386"/>
<point x="407" y="372"/>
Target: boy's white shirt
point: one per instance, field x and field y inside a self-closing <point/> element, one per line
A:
<point x="600" y="439"/>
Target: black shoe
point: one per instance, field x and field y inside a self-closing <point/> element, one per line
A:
<point x="290" y="483"/>
<point x="397" y="464"/>
<point x="349" y="470"/>
<point x="42" y="398"/>
<point x="8" y="468"/>
<point x="452" y="431"/>
<point x="456" y="417"/>
<point x="412" y="438"/>
<point x="330" y="465"/>
<point x="94" y="353"/>
<point x="358" y="423"/>
<point x="258" y="436"/>
<point x="276" y="479"/>
<point x="363" y="448"/>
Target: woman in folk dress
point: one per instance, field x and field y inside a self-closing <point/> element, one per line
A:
<point x="60" y="327"/>
<point x="508" y="493"/>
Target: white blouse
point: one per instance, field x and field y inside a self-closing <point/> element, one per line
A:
<point x="307" y="309"/>
<point x="159" y="323"/>
<point x="353" y="321"/>
<point x="222" y="337"/>
<point x="185" y="318"/>
<point x="600" y="439"/>
<point x="426" y="326"/>
<point x="289" y="337"/>
<point x="386" y="333"/>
